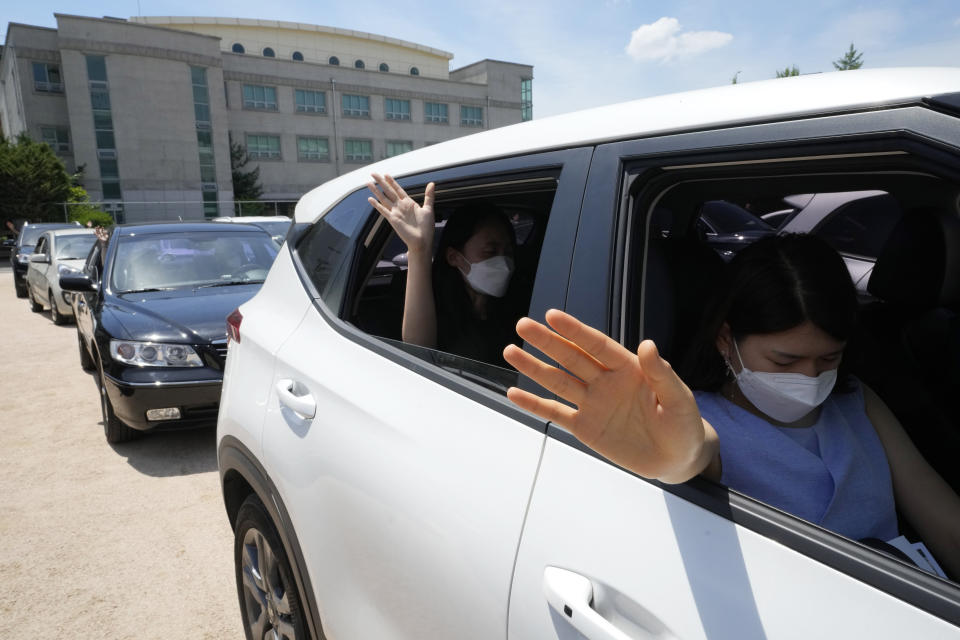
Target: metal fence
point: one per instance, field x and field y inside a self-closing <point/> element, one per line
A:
<point x="131" y="212"/>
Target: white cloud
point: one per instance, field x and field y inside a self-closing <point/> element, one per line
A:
<point x="663" y="40"/>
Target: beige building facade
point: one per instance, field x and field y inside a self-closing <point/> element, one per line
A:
<point x="148" y="107"/>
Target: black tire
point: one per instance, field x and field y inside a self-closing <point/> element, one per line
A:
<point x="269" y="599"/>
<point x="21" y="290"/>
<point x="35" y="306"/>
<point x="86" y="360"/>
<point x="55" y="315"/>
<point x="114" y="430"/>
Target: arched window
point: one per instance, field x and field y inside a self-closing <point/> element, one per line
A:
<point x="384" y="67"/>
<point x="238" y="48"/>
<point x="414" y="71"/>
<point x="334" y="60"/>
<point x="359" y="65"/>
<point x="298" y="56"/>
<point x="268" y="53"/>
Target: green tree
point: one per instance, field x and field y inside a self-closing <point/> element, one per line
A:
<point x="33" y="181"/>
<point x="80" y="210"/>
<point x="852" y="59"/>
<point x="734" y="79"/>
<point x="789" y="71"/>
<point x="246" y="184"/>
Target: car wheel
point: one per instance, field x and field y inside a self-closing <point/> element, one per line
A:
<point x="269" y="601"/>
<point x="114" y="430"/>
<point x="35" y="306"/>
<point x="86" y="361"/>
<point x="21" y="290"/>
<point x="55" y="315"/>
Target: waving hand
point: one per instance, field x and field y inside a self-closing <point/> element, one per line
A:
<point x="631" y="408"/>
<point x="412" y="222"/>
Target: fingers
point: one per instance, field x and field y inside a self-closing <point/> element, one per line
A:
<point x="567" y="354"/>
<point x="550" y="410"/>
<point x="607" y="351"/>
<point x="670" y="389"/>
<point x="428" y="196"/>
<point x="547" y="376"/>
<point x="385" y="184"/>
<point x="395" y="187"/>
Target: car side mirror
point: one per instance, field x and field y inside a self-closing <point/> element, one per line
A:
<point x="40" y="257"/>
<point x="400" y="260"/>
<point x="77" y="282"/>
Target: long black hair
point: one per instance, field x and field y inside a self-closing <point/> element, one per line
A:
<point x="775" y="284"/>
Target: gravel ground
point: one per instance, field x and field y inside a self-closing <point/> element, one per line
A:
<point x="99" y="540"/>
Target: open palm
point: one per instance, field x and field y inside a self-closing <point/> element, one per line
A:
<point x="631" y="408"/>
<point x="412" y="222"/>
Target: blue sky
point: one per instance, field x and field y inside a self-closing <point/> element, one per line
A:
<point x="597" y="52"/>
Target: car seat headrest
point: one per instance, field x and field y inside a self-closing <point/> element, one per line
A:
<point x="919" y="264"/>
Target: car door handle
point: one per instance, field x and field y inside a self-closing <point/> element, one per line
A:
<point x="304" y="405"/>
<point x="571" y="596"/>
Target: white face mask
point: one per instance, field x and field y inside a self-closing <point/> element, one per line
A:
<point x="490" y="276"/>
<point x="785" y="397"/>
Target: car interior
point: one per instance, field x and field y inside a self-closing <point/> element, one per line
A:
<point x="376" y="306"/>
<point x="907" y="346"/>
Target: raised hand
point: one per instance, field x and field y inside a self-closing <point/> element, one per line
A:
<point x="631" y="408"/>
<point x="412" y="222"/>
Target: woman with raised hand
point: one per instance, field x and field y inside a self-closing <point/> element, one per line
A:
<point x="459" y="301"/>
<point x="774" y="415"/>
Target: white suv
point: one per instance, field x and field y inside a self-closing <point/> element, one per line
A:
<point x="380" y="490"/>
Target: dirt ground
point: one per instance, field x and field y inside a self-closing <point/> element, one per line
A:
<point x="99" y="540"/>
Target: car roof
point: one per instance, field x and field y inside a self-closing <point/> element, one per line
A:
<point x="167" y="227"/>
<point x="69" y="232"/>
<point x="727" y="105"/>
<point x="252" y="219"/>
<point x="52" y="225"/>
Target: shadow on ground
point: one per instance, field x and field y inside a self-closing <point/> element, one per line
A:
<point x="172" y="453"/>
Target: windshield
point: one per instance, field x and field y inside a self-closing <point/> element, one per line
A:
<point x="74" y="247"/>
<point x="31" y="233"/>
<point x="727" y="217"/>
<point x="278" y="228"/>
<point x="161" y="261"/>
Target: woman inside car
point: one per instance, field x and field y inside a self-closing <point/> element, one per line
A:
<point x="772" y="414"/>
<point x="460" y="301"/>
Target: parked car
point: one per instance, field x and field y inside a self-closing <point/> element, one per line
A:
<point x="728" y="227"/>
<point x="150" y="305"/>
<point x="382" y="490"/>
<point x="20" y="253"/>
<point x="56" y="252"/>
<point x="276" y="226"/>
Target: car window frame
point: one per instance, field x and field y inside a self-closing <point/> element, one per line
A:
<point x="597" y="295"/>
<point x="561" y="229"/>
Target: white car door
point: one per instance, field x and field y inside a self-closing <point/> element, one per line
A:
<point x="608" y="555"/>
<point x="407" y="485"/>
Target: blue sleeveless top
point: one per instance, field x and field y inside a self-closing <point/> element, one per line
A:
<point x="836" y="477"/>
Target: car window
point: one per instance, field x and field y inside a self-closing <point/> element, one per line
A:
<point x="74" y="247"/>
<point x="862" y="226"/>
<point x="41" y="245"/>
<point x="190" y="259"/>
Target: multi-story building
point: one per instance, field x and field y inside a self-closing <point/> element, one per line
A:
<point x="148" y="107"/>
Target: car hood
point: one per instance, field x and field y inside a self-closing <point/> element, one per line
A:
<point x="193" y="316"/>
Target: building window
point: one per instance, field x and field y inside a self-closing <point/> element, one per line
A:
<point x="47" y="78"/>
<point x="268" y="53"/>
<point x="384" y="67"/>
<point x="414" y="71"/>
<point x="358" y="150"/>
<point x="259" y="97"/>
<point x="97" y="71"/>
<point x="57" y="137"/>
<point x="208" y="169"/>
<point x="297" y="56"/>
<point x="359" y="65"/>
<point x="313" y="149"/>
<point x="310" y="101"/>
<point x="397" y="109"/>
<point x="100" y="99"/>
<point x="238" y="48"/>
<point x="396" y="147"/>
<point x="334" y="60"/>
<point x="436" y="112"/>
<point x="356" y="106"/>
<point x="262" y="147"/>
<point x="471" y="116"/>
<point x="526" y="99"/>
<point x="111" y="190"/>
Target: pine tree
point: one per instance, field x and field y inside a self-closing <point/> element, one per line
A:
<point x="789" y="71"/>
<point x="852" y="59"/>
<point x="245" y="183"/>
<point x="33" y="181"/>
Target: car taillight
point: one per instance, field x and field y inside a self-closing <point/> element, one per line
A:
<point x="233" y="325"/>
